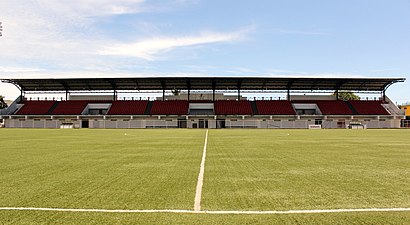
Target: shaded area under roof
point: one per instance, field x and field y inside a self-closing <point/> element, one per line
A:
<point x="204" y="83"/>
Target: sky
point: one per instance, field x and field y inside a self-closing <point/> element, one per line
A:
<point x="117" y="38"/>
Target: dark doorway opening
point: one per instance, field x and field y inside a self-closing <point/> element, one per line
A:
<point x="203" y="123"/>
<point x="85" y="124"/>
<point x="182" y="123"/>
<point x="220" y="123"/>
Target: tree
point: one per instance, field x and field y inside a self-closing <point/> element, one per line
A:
<point x="346" y="95"/>
<point x="176" y="92"/>
<point x="3" y="104"/>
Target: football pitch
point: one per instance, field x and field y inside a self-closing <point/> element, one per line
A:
<point x="153" y="176"/>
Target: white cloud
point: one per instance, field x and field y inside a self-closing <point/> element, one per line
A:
<point x="41" y="38"/>
<point x="5" y="69"/>
<point x="62" y="34"/>
<point x="92" y="8"/>
<point x="298" y="32"/>
<point x="148" y="49"/>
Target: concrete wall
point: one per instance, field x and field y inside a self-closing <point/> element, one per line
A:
<point x="32" y="123"/>
<point x="125" y="123"/>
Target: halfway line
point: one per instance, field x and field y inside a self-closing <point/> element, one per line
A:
<point x="198" y="195"/>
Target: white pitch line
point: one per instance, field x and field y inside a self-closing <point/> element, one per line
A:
<point x="198" y="195"/>
<point x="314" y="211"/>
<point x="98" y="210"/>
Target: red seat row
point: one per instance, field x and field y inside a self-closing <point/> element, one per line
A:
<point x="278" y="107"/>
<point x="36" y="108"/>
<point x="128" y="108"/>
<point x="333" y="107"/>
<point x="171" y="107"/>
<point x="73" y="107"/>
<point x="369" y="107"/>
<point x="221" y="107"/>
<point x="231" y="107"/>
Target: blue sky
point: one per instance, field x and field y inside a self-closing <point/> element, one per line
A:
<point x="94" y="38"/>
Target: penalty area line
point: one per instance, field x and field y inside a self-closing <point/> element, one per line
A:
<point x="314" y="211"/>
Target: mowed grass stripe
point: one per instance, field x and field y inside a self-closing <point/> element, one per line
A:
<point x="144" y="169"/>
<point x="307" y="169"/>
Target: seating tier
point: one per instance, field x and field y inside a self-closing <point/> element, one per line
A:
<point x="73" y="107"/>
<point x="35" y="108"/>
<point x="231" y="107"/>
<point x="333" y="107"/>
<point x="128" y="108"/>
<point x="369" y="107"/>
<point x="275" y="108"/>
<point x="170" y="107"/>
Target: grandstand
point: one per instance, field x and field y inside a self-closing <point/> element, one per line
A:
<point x="205" y="108"/>
<point x="406" y="108"/>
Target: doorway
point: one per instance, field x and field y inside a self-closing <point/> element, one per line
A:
<point x="85" y="124"/>
<point x="182" y="123"/>
<point x="203" y="123"/>
<point x="220" y="123"/>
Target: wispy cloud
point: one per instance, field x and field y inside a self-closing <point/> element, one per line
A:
<point x="93" y="8"/>
<point x="298" y="32"/>
<point x="59" y="34"/>
<point x="149" y="49"/>
<point x="6" y="69"/>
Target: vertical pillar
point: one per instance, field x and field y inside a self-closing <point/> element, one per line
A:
<point x="213" y="90"/>
<point x="189" y="93"/>
<point x="239" y="94"/>
<point x="66" y="95"/>
<point x="337" y="94"/>
<point x="288" y="95"/>
<point x="21" y="95"/>
<point x="163" y="94"/>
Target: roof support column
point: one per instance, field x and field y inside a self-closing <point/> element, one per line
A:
<point x="384" y="95"/>
<point x="66" y="95"/>
<point x="213" y="90"/>
<point x="188" y="84"/>
<point x="337" y="94"/>
<point x="288" y="87"/>
<point x="114" y="87"/>
<point x="163" y="89"/>
<point x="239" y="89"/>
<point x="21" y="95"/>
<point x="189" y="93"/>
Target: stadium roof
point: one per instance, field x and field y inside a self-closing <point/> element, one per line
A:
<point x="204" y="83"/>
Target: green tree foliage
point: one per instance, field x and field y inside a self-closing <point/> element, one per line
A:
<point x="3" y="104"/>
<point x="176" y="92"/>
<point x="347" y="95"/>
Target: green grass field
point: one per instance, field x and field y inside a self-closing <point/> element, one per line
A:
<point x="252" y="169"/>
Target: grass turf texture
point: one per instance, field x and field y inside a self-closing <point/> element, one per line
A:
<point x="145" y="169"/>
<point x="307" y="169"/>
<point x="13" y="217"/>
<point x="244" y="170"/>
